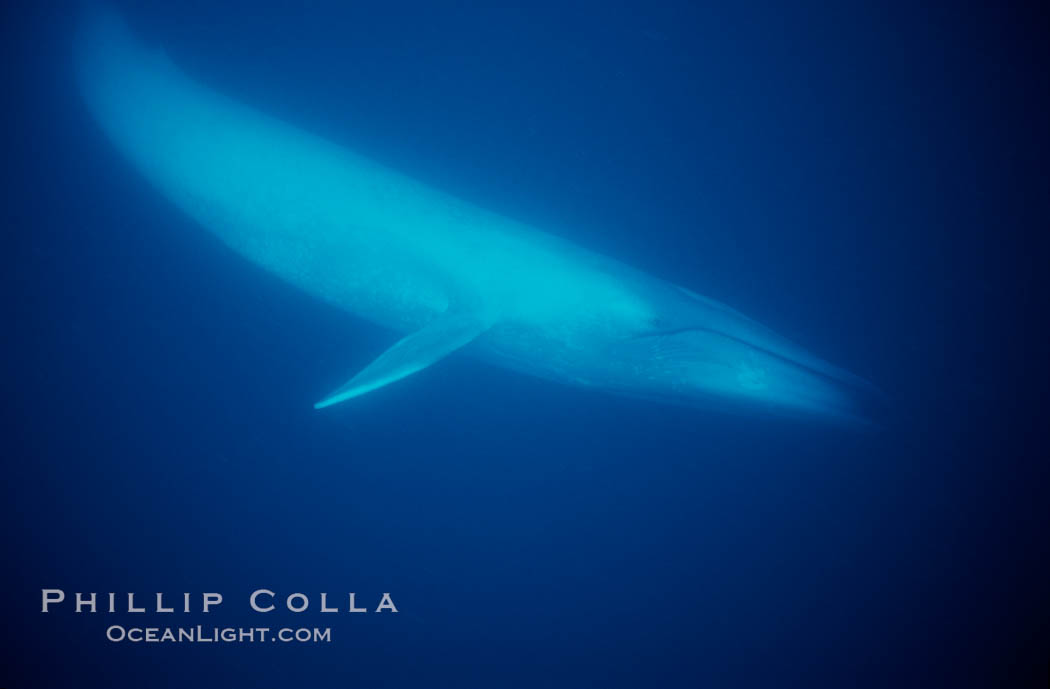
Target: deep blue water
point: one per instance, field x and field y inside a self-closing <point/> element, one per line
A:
<point x="869" y="180"/>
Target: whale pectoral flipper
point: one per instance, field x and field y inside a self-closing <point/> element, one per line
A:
<point x="415" y="352"/>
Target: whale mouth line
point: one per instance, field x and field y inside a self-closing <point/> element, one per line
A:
<point x="671" y="332"/>
<point x="806" y="363"/>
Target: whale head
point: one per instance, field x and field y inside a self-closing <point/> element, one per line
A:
<point x="697" y="351"/>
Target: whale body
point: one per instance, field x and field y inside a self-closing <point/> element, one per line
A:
<point x="442" y="272"/>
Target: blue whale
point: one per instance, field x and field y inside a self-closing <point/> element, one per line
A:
<point x="443" y="273"/>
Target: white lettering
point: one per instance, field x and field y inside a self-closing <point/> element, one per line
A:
<point x="160" y="604"/>
<point x="132" y="608"/>
<point x="255" y="596"/>
<point x="48" y="597"/>
<point x="304" y="606"/>
<point x="82" y="602"/>
<point x="211" y="599"/>
<point x="386" y="604"/>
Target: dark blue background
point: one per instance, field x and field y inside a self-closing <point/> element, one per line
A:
<point x="870" y="180"/>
